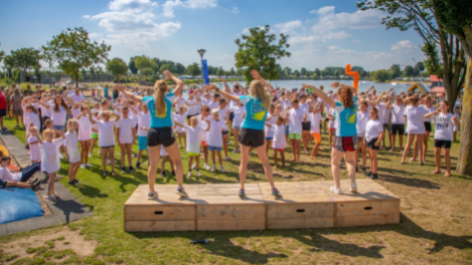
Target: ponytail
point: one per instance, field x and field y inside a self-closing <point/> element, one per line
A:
<point x="32" y="108"/>
<point x="160" y="89"/>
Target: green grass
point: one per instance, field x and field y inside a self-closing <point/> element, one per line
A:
<point x="435" y="228"/>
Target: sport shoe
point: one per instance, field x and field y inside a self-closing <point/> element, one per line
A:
<point x="82" y="165"/>
<point x="206" y="166"/>
<point x="189" y="174"/>
<point x="235" y="150"/>
<point x="241" y="193"/>
<point x="223" y="169"/>
<point x="335" y="190"/>
<point x="163" y="174"/>
<point x="123" y="170"/>
<point x="35" y="186"/>
<point x="199" y="174"/>
<point x="194" y="166"/>
<point x="152" y="195"/>
<point x="213" y="169"/>
<point x="353" y="187"/>
<point x="131" y="169"/>
<point x="364" y="172"/>
<point x="227" y="158"/>
<point x="181" y="192"/>
<point x="76" y="181"/>
<point x="275" y="192"/>
<point x="138" y="165"/>
<point x="73" y="183"/>
<point x="88" y="165"/>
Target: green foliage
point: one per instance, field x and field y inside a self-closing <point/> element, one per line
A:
<point x="419" y="67"/>
<point x="395" y="71"/>
<point x="132" y="66"/>
<point x="73" y="50"/>
<point x="296" y="73"/>
<point x="337" y="73"/>
<point x="318" y="72"/>
<point x="258" y="51"/>
<point x="2" y="54"/>
<point x="147" y="71"/>
<point x="194" y="70"/>
<point x="180" y="68"/>
<point x="381" y="75"/>
<point x="432" y="64"/>
<point x="409" y="71"/>
<point x="26" y="58"/>
<point x="315" y="76"/>
<point x="325" y="73"/>
<point x="117" y="67"/>
<point x="143" y="62"/>
<point x="303" y="71"/>
<point x="165" y="67"/>
<point x="454" y="15"/>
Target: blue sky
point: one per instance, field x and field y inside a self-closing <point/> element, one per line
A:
<point x="322" y="32"/>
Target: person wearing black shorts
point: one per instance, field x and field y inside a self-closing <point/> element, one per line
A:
<point x="252" y="129"/>
<point x="160" y="131"/>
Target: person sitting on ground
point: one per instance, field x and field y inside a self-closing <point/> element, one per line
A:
<point x="20" y="179"/>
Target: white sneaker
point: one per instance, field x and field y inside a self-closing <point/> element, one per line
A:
<point x="235" y="150"/>
<point x="90" y="154"/>
<point x="82" y="165"/>
<point x="227" y="158"/>
<point x="189" y="174"/>
<point x="180" y="147"/>
<point x="353" y="187"/>
<point x="206" y="166"/>
<point x="108" y="161"/>
<point x="199" y="174"/>
<point x="335" y="190"/>
<point x="61" y="156"/>
<point x="88" y="165"/>
<point x="213" y="169"/>
<point x="194" y="166"/>
<point x="222" y="169"/>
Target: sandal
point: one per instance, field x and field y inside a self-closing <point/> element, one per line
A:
<point x="113" y="173"/>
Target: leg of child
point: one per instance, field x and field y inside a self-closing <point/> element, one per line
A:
<point x="454" y="136"/>
<point x="351" y="170"/>
<point x="52" y="178"/>
<point x="294" y="148"/>
<point x="163" y="164"/>
<point x="104" y="152"/>
<point x="409" y="141"/>
<point x="122" y="155"/>
<point x="371" y="160"/>
<point x="225" y="144"/>
<point x="111" y="151"/>
<point x="400" y="140"/>
<point x="213" y="157"/>
<point x="92" y="145"/>
<point x="197" y="162"/>
<point x="236" y="137"/>
<point x="275" y="159"/>
<point x="219" y="158"/>
<point x="140" y="154"/>
<point x="85" y="150"/>
<point x="205" y="154"/>
<point x="298" y="143"/>
<point x="393" y="142"/>
<point x="190" y="160"/>
<point x="425" y="145"/>
<point x="415" y="149"/>
<point x="437" y="158"/>
<point x="265" y="163"/>
<point x="130" y="156"/>
<point x="330" y="138"/>
<point x="374" y="161"/>
<point x="268" y="145"/>
<point x="419" y="140"/>
<point x="364" y="155"/>
<point x="282" y="155"/>
<point x="22" y="185"/>
<point x="448" y="162"/>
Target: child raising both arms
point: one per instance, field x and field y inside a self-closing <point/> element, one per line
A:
<point x="126" y="135"/>
<point x="71" y="147"/>
<point x="35" y="150"/>
<point x="373" y="136"/>
<point x="215" y="138"/>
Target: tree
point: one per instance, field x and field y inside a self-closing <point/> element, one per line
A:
<point x="73" y="51"/>
<point x="419" y="67"/>
<point x="220" y="72"/>
<point x="337" y="73"/>
<point x="143" y="61"/>
<point x="179" y="68"/>
<point x="194" y="70"/>
<point x="381" y="75"/>
<point x="296" y="73"/>
<point x="117" y="67"/>
<point x="325" y="73"/>
<point x="303" y="71"/>
<point x="455" y="17"/>
<point x="231" y="72"/>
<point x="259" y="51"/>
<point x="148" y="71"/>
<point x="288" y="71"/>
<point x="318" y="72"/>
<point x="409" y="71"/>
<point x="395" y="71"/>
<point x="2" y="54"/>
<point x="132" y="66"/>
<point x="164" y="67"/>
<point x="25" y="59"/>
<point x="315" y="76"/>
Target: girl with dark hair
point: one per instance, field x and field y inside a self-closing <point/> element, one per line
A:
<point x="415" y="128"/>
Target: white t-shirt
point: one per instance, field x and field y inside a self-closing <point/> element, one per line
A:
<point x="50" y="161"/>
<point x="5" y="174"/>
<point x="213" y="105"/>
<point x="443" y="127"/>
<point x="203" y="124"/>
<point x="223" y="113"/>
<point x="126" y="126"/>
<point x="85" y="128"/>
<point x="70" y="140"/>
<point x="269" y="131"/>
<point x="192" y="107"/>
<point x="362" y="119"/>
<point x="373" y="130"/>
<point x="456" y="128"/>
<point x="34" y="119"/>
<point x="215" y="136"/>
<point x="279" y="141"/>
<point x="44" y="111"/>
<point x="331" y="123"/>
<point x="397" y="114"/>
<point x="180" y="118"/>
<point x="415" y="119"/>
<point x="179" y="102"/>
<point x="315" y="119"/>
<point x="77" y="98"/>
<point x="381" y="109"/>
<point x="144" y="120"/>
<point x="106" y="136"/>
<point x="304" y="107"/>
<point x="296" y="118"/>
<point x="59" y="117"/>
<point x="429" y="110"/>
<point x="238" y="115"/>
<point x="193" y="138"/>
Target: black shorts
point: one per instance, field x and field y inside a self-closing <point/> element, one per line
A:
<point x="231" y="116"/>
<point x="157" y="136"/>
<point x="398" y="129"/>
<point x="252" y="138"/>
<point x="306" y="126"/>
<point x="3" y="183"/>
<point x="3" y="113"/>
<point x="225" y="132"/>
<point x="442" y="144"/>
<point x="346" y="144"/>
<point x="427" y="126"/>
<point x="371" y="144"/>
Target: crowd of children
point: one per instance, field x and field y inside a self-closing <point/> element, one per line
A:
<point x="64" y="126"/>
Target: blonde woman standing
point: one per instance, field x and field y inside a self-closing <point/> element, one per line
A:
<point x="160" y="131"/>
<point x="252" y="129"/>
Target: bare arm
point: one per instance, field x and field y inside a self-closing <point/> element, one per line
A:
<point x="227" y="89"/>
<point x="322" y="95"/>
<point x="127" y="94"/>
<point x="455" y="120"/>
<point x="180" y="84"/>
<point x="225" y="94"/>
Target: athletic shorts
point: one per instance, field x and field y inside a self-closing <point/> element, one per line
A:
<point x="3" y="113"/>
<point x="192" y="154"/>
<point x="371" y="144"/>
<point x="214" y="148"/>
<point x="158" y="136"/>
<point x="317" y="137"/>
<point x="345" y="144"/>
<point x="94" y="135"/>
<point x="294" y="136"/>
<point x="269" y="138"/>
<point x="398" y="129"/>
<point x="251" y="137"/>
<point x="225" y="132"/>
<point x="59" y="127"/>
<point x="427" y="126"/>
<point x="142" y="143"/>
<point x="231" y="116"/>
<point x="442" y="144"/>
<point x="203" y="143"/>
<point x="286" y="130"/>
<point x="3" y="183"/>
<point x="106" y="147"/>
<point x="386" y="126"/>
<point x="236" y="127"/>
<point x="332" y="129"/>
<point x="306" y="126"/>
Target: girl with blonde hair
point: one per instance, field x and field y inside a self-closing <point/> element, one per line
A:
<point x="252" y="129"/>
<point x="160" y="131"/>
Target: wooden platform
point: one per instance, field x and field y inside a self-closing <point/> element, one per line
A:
<point x="301" y="205"/>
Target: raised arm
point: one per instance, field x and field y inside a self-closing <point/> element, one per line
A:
<point x="179" y="83"/>
<point x="224" y="93"/>
<point x="322" y="95"/>
<point x="255" y="74"/>
<point x="128" y="94"/>
<point x="227" y="89"/>
<point x="337" y="84"/>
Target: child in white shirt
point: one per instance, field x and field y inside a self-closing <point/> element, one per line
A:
<point x="296" y="117"/>
<point x="84" y="136"/>
<point x="35" y="150"/>
<point x="315" y="119"/>
<point x="164" y="156"/>
<point x="373" y="135"/>
<point x="94" y="112"/>
<point x="215" y="138"/>
<point x="279" y="142"/>
<point x="331" y="125"/>
<point x="72" y="150"/>
<point x="238" y="110"/>
<point x="193" y="142"/>
<point x="126" y="135"/>
<point x="180" y="118"/>
<point x="144" y="121"/>
<point x="32" y="118"/>
<point x="457" y="111"/>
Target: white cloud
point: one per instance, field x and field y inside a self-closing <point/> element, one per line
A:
<point x="336" y="35"/>
<point x="324" y="10"/>
<point x="170" y="5"/>
<point x="356" y="41"/>
<point x="358" y="20"/>
<point x="403" y="45"/>
<point x="132" y="5"/>
<point x="287" y="27"/>
<point x="225" y="57"/>
<point x="95" y="35"/>
<point x="235" y="10"/>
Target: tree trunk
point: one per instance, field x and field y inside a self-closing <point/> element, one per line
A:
<point x="464" y="163"/>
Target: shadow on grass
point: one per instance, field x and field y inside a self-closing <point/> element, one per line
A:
<point x="411" y="182"/>
<point x="221" y="242"/>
